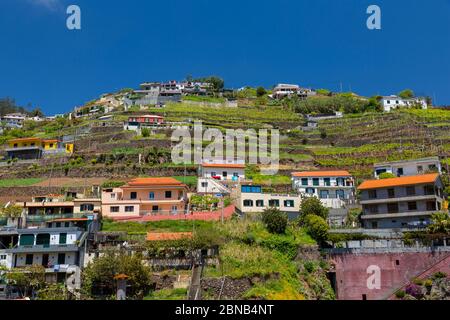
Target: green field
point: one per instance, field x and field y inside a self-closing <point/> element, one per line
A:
<point x="8" y="183"/>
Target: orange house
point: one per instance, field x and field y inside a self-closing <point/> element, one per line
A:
<point x="145" y="196"/>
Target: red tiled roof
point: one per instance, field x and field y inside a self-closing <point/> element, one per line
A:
<point x="223" y="165"/>
<point x="340" y="173"/>
<point x="402" y="181"/>
<point x="142" y="182"/>
<point x="168" y="236"/>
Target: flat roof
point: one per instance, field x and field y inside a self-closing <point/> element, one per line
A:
<point x="406" y="161"/>
<point x="319" y="174"/>
<point x="402" y="181"/>
<point x="223" y="165"/>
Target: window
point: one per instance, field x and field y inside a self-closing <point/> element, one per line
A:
<point x="410" y="191"/>
<point x="304" y="181"/>
<point x="373" y="208"/>
<point x="419" y="169"/>
<point x="151" y="195"/>
<point x="372" y="194"/>
<point x="412" y="206"/>
<point x="340" y="194"/>
<point x="29" y="259"/>
<point x="260" y="203"/>
<point x="374" y="225"/>
<point x="432" y="167"/>
<point x="224" y="174"/>
<point x="310" y="190"/>
<point x="115" y="209"/>
<point x="428" y="190"/>
<point x="213" y="174"/>
<point x="87" y="207"/>
<point x="274" y="203"/>
<point x="248" y="203"/>
<point x="133" y="195"/>
<point x="315" y="181"/>
<point x="431" y="206"/>
<point x="61" y="258"/>
<point x="391" y="193"/>
<point x="113" y="195"/>
<point x="236" y="174"/>
<point x="168" y="194"/>
<point x="129" y="208"/>
<point x="3" y="257"/>
<point x="327" y="182"/>
<point x="392" y="207"/>
<point x="400" y="172"/>
<point x="174" y="209"/>
<point x="51" y="145"/>
<point x="15" y="145"/>
<point x="251" y="189"/>
<point x="324" y="194"/>
<point x="289" y="203"/>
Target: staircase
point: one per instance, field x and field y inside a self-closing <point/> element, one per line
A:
<point x="434" y="267"/>
<point x="215" y="186"/>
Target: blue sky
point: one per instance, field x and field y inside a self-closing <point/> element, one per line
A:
<point x="316" y="43"/>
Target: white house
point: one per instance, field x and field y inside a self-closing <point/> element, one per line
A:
<point x="333" y="188"/>
<point x="286" y="90"/>
<point x="223" y="171"/>
<point x="14" y="120"/>
<point x="393" y="102"/>
<point x="408" y="167"/>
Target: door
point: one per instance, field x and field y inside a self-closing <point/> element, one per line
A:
<point x="63" y="238"/>
<point x="155" y="209"/>
<point x="61" y="258"/>
<point x="45" y="260"/>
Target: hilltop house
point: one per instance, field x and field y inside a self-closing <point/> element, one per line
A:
<point x="145" y="196"/>
<point x="405" y="202"/>
<point x="13" y="120"/>
<point x="36" y="148"/>
<point x="393" y="102"/>
<point x="282" y="90"/>
<point x="333" y="188"/>
<point x="408" y="167"/>
<point x="250" y="198"/>
<point x="148" y="121"/>
<point x="154" y="93"/>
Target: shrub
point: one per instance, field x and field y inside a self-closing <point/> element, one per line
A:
<point x="275" y="220"/>
<point x="400" y="294"/>
<point x="145" y="132"/>
<point x="113" y="184"/>
<point x="312" y="206"/>
<point x="439" y="275"/>
<point x="260" y="91"/>
<point x="386" y="175"/>
<point x="317" y="227"/>
<point x="418" y="281"/>
<point x="309" y="266"/>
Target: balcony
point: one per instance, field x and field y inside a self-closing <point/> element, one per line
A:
<point x="38" y="248"/>
<point x="51" y="217"/>
<point x="399" y="199"/>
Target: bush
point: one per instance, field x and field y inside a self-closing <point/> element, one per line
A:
<point x="309" y="266"/>
<point x="439" y="275"/>
<point x="260" y="91"/>
<point x="386" y="175"/>
<point x="275" y="220"/>
<point x="400" y="294"/>
<point x="113" y="184"/>
<point x="317" y="227"/>
<point x="145" y="132"/>
<point x="312" y="206"/>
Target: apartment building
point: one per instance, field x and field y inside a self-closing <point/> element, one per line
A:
<point x="334" y="188"/>
<point x="409" y="167"/>
<point x="250" y="198"/>
<point x="393" y="102"/>
<point x="147" y="121"/>
<point x="405" y="202"/>
<point x="145" y="196"/>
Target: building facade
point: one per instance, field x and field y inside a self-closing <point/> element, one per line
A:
<point x="405" y="202"/>
<point x="145" y="196"/>
<point x="393" y="102"/>
<point x="36" y="148"/>
<point x="335" y="189"/>
<point x="223" y="171"/>
<point x="408" y="167"/>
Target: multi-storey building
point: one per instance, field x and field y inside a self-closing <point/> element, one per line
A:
<point x="404" y="202"/>
<point x="390" y="103"/>
<point x="36" y="148"/>
<point x="408" y="167"/>
<point x="333" y="188"/>
<point x="145" y="196"/>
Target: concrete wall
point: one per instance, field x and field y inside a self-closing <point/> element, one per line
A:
<point x="396" y="269"/>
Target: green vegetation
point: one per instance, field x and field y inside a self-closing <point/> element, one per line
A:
<point x="275" y="220"/>
<point x="154" y="226"/>
<point x="10" y="183"/>
<point x="206" y="99"/>
<point x="167" y="294"/>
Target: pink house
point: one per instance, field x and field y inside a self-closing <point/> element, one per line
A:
<point x="145" y="196"/>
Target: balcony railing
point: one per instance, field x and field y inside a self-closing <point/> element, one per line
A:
<point x="50" y="217"/>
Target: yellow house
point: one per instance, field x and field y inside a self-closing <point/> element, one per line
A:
<point x="48" y="145"/>
<point x="35" y="148"/>
<point x="70" y="147"/>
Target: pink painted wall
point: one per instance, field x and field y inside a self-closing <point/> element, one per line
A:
<point x="396" y="270"/>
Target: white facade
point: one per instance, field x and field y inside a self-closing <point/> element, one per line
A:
<point x="6" y="259"/>
<point x="408" y="168"/>
<point x="70" y="258"/>
<point x="393" y="102"/>
<point x="223" y="172"/>
<point x="211" y="186"/>
<point x="334" y="189"/>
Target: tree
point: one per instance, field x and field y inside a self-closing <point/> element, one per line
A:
<point x="145" y="132"/>
<point x="28" y="280"/>
<point x="98" y="277"/>
<point x="37" y="112"/>
<point x="312" y="206"/>
<point x="275" y="220"/>
<point x="260" y="91"/>
<point x="406" y="94"/>
<point x="53" y="292"/>
<point x="12" y="211"/>
<point x="317" y="227"/>
<point x="386" y="175"/>
<point x="440" y="223"/>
